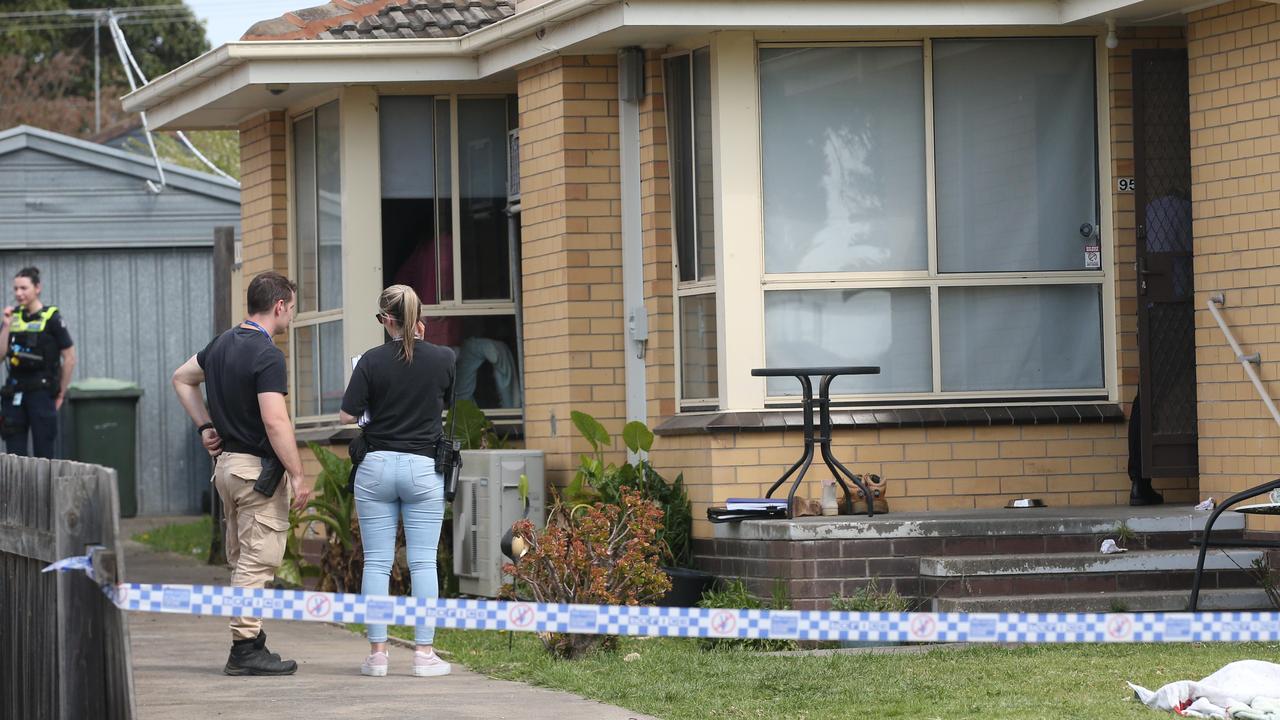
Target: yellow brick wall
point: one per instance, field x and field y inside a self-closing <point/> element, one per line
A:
<point x="571" y="252"/>
<point x="263" y="197"/>
<point x="1235" y="104"/>
<point x="264" y="208"/>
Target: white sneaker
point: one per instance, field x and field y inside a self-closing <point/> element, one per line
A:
<point x="429" y="665"/>
<point x="375" y="665"/>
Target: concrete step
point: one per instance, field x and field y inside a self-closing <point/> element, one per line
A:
<point x="987" y="522"/>
<point x="1135" y="601"/>
<point x="1144" y="561"/>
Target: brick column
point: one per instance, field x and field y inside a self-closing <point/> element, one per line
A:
<point x="571" y="253"/>
<point x="1236" y="209"/>
<point x="264" y="202"/>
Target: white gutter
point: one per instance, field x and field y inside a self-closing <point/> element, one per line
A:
<point x="219" y="61"/>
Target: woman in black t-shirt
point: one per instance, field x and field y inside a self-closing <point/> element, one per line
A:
<point x="397" y="392"/>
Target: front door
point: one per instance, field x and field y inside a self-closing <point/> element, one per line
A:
<point x="1166" y="311"/>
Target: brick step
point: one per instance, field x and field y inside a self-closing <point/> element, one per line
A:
<point x="1070" y="543"/>
<point x="1090" y="562"/>
<point x="1067" y="573"/>
<point x="1134" y="601"/>
<point x="1108" y="582"/>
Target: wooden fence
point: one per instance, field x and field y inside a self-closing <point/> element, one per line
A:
<point x="64" y="647"/>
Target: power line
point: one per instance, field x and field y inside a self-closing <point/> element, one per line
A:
<point x="82" y="25"/>
<point x="93" y="11"/>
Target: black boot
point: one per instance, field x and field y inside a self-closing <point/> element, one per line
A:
<point x="260" y="643"/>
<point x="248" y="658"/>
<point x="1141" y="493"/>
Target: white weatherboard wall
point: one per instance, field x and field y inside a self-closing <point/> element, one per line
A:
<point x="132" y="273"/>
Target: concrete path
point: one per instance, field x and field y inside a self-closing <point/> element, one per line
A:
<point x="177" y="666"/>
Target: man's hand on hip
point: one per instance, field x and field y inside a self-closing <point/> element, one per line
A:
<point x="212" y="442"/>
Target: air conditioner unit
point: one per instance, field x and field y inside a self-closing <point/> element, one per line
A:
<point x="486" y="505"/>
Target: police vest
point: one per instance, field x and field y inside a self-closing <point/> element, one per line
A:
<point x="32" y="351"/>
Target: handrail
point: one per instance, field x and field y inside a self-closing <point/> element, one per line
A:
<point x="1247" y="361"/>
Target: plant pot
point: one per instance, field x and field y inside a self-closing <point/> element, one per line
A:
<point x="687" y="586"/>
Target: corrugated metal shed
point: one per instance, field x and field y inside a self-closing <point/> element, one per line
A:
<point x="131" y="271"/>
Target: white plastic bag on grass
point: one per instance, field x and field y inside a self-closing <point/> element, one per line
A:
<point x="1244" y="690"/>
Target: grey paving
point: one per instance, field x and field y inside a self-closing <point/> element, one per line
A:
<point x="177" y="663"/>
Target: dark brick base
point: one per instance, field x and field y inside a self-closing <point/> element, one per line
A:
<point x="812" y="571"/>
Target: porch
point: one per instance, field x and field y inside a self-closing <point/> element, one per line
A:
<point x="993" y="559"/>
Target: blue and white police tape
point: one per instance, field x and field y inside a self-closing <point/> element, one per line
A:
<point x="696" y="622"/>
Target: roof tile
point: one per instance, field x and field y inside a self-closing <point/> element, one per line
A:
<point x="383" y="19"/>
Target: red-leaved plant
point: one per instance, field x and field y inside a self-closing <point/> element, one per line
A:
<point x="596" y="555"/>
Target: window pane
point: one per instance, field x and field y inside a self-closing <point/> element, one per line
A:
<point x="329" y="190"/>
<point x="444" y="204"/>
<point x="703" y="172"/>
<point x="888" y="328"/>
<point x="304" y="207"/>
<point x="318" y="368"/>
<point x="482" y="146"/>
<point x="417" y="248"/>
<point x="699" y="368"/>
<point x="406" y="146"/>
<point x="844" y="162"/>
<point x="488" y="370"/>
<point x="1021" y="338"/>
<point x="680" y="156"/>
<point x="1016" y="153"/>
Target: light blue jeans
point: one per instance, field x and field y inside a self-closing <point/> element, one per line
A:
<point x="391" y="486"/>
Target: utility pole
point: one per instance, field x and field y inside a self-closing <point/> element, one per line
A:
<point x="97" y="76"/>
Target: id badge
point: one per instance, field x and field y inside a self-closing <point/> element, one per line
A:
<point x="17" y="399"/>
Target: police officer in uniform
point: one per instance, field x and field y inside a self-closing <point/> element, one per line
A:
<point x="40" y="357"/>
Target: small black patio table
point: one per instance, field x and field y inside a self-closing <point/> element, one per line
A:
<point x="823" y="438"/>
<point x="1206" y="540"/>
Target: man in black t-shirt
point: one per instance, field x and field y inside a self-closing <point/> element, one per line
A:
<point x="246" y="428"/>
<point x="39" y="356"/>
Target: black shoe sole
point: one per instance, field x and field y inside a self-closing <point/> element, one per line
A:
<point x="240" y="671"/>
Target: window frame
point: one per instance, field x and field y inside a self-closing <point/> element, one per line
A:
<point x="314" y="318"/>
<point x="700" y="286"/>
<point x="935" y="280"/>
<point x="460" y="307"/>
<point x="740" y="203"/>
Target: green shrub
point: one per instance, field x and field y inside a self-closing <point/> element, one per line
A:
<point x="870" y="598"/>
<point x="606" y="483"/>
<point x="603" y="555"/>
<point x="733" y="594"/>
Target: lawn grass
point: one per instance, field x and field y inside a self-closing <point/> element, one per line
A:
<point x="188" y="538"/>
<point x="673" y="679"/>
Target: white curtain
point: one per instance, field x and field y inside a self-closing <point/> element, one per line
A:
<point x="1016" y="153"/>
<point x="1021" y="337"/>
<point x="844" y="170"/>
<point x="889" y="328"/>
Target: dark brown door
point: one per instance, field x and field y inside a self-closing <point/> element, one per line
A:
<point x="1166" y="310"/>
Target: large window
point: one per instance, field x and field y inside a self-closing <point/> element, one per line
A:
<point x="688" y="85"/>
<point x="431" y="145"/>
<point x="317" y="229"/>
<point x="927" y="209"/>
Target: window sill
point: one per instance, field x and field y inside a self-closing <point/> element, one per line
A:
<point x="975" y="416"/>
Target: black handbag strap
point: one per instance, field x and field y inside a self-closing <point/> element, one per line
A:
<point x="453" y="405"/>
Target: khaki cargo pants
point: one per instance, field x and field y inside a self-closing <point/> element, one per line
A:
<point x="257" y="527"/>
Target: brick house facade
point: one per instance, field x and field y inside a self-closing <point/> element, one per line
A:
<point x="937" y="453"/>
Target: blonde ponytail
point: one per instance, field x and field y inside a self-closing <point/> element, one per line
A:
<point x="401" y="303"/>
